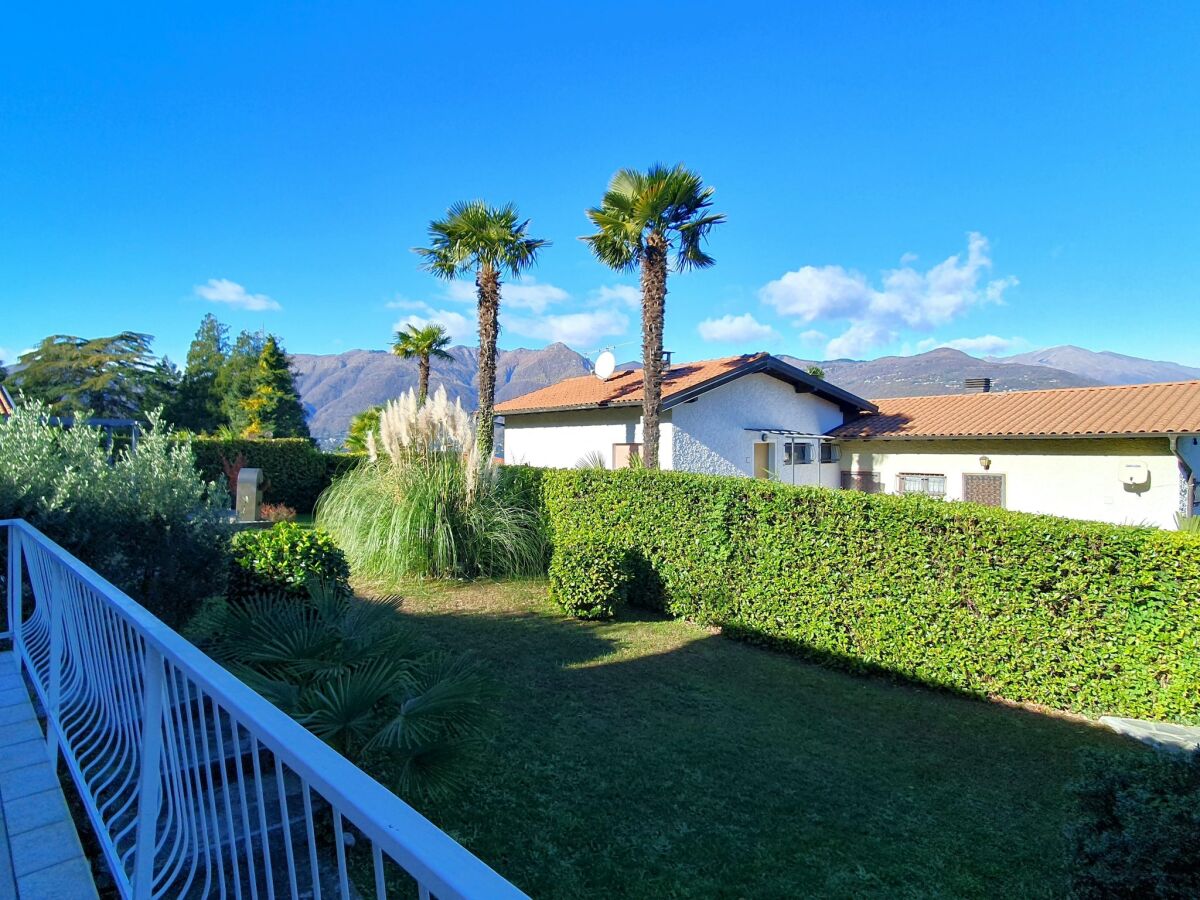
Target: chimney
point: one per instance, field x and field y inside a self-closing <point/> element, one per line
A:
<point x="977" y="385"/>
<point x="666" y="359"/>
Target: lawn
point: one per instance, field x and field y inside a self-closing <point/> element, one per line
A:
<point x="654" y="758"/>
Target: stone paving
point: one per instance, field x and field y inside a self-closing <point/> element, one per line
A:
<point x="1163" y="735"/>
<point x="40" y="854"/>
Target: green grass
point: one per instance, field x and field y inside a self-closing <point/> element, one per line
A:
<point x="647" y="757"/>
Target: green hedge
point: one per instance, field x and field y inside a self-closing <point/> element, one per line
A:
<point x="590" y="579"/>
<point x="1079" y="616"/>
<point x="295" y="471"/>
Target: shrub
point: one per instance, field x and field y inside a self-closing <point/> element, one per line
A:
<point x="1137" y="827"/>
<point x="1079" y="616"/>
<point x="426" y="506"/>
<point x="146" y="521"/>
<point x="589" y="579"/>
<point x="277" y="512"/>
<point x="284" y="557"/>
<point x="357" y="678"/>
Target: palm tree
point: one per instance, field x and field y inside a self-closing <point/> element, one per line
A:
<point x="643" y="218"/>
<point x="422" y="344"/>
<point x="489" y="241"/>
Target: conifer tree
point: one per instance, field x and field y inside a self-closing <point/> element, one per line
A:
<point x="273" y="407"/>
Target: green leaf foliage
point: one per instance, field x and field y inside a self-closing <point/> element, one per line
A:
<point x="1080" y="616"/>
<point x="589" y="579"/>
<point x="353" y="674"/>
<point x="1137" y="827"/>
<point x="146" y="521"/>
<point x="285" y="557"/>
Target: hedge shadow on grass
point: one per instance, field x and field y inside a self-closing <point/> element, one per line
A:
<point x="646" y="757"/>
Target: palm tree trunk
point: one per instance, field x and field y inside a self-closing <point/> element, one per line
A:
<point x="422" y="378"/>
<point x="487" y="284"/>
<point x="654" y="301"/>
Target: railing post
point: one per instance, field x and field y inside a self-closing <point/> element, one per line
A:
<point x="149" y="778"/>
<point x="55" y="600"/>
<point x="13" y="601"/>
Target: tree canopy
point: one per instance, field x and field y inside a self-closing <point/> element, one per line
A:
<point x="114" y="377"/>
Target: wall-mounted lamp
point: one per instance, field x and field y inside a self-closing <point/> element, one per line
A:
<point x="986" y="462"/>
<point x="762" y="437"/>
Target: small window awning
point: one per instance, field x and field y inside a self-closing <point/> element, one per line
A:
<point x="784" y="432"/>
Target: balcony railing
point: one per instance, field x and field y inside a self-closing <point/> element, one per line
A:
<point x="194" y="784"/>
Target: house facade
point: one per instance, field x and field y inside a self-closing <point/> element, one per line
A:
<point x="741" y="415"/>
<point x="1127" y="455"/>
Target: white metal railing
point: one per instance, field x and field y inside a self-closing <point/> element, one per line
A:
<point x="195" y="785"/>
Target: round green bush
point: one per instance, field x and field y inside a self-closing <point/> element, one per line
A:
<point x="589" y="580"/>
<point x="284" y="558"/>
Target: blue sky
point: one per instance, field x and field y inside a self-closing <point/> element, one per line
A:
<point x="896" y="176"/>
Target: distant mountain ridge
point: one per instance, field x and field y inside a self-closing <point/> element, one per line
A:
<point x="940" y="371"/>
<point x="334" y="388"/>
<point x="1104" y="366"/>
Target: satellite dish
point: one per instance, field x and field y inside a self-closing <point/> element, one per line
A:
<point x="606" y="364"/>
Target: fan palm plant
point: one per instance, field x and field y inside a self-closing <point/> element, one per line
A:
<point x="422" y="344"/>
<point x="489" y="241"/>
<point x="643" y="218"/>
<point x="353" y="674"/>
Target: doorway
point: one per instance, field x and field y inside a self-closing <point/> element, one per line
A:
<point x="764" y="459"/>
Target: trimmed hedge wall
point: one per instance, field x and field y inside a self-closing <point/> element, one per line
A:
<point x="295" y="471"/>
<point x="1080" y="616"/>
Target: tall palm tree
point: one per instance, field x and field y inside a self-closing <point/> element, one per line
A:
<point x="644" y="218"/>
<point x="422" y="344"/>
<point x="490" y="241"/>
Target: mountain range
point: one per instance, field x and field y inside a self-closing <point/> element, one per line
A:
<point x="334" y="388"/>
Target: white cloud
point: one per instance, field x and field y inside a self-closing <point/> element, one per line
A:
<point x="580" y="330"/>
<point x="735" y="329"/>
<point x="619" y="295"/>
<point x="987" y="344"/>
<point x="813" y="336"/>
<point x="222" y="290"/>
<point x="907" y="298"/>
<point x="524" y="293"/>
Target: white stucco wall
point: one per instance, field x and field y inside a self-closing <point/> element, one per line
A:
<point x="707" y="435"/>
<point x="561" y="439"/>
<point x="711" y="436"/>
<point x="1077" y="478"/>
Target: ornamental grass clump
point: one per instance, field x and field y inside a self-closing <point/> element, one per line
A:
<point x="424" y="504"/>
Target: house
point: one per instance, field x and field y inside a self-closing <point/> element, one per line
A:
<point x="740" y="415"/>
<point x="1124" y="454"/>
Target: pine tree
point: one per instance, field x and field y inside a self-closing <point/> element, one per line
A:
<point x="273" y="407"/>
<point x="197" y="406"/>
<point x="237" y="379"/>
<point x="109" y="376"/>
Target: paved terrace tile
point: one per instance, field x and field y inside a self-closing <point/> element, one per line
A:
<point x="40" y="855"/>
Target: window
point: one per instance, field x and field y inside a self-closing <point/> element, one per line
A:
<point x="830" y="452"/>
<point x="796" y="454"/>
<point x="867" y="482"/>
<point x="930" y="485"/>
<point x="623" y="455"/>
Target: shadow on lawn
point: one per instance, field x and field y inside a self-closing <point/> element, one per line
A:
<point x="655" y="756"/>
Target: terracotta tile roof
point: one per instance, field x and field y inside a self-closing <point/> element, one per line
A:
<point x="680" y="381"/>
<point x="1171" y="408"/>
<point x="622" y="388"/>
<point x="6" y="404"/>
